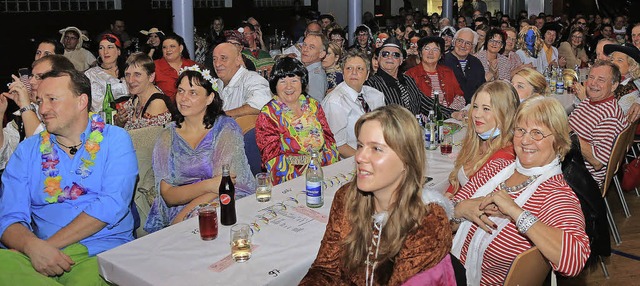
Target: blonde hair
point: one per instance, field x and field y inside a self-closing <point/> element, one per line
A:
<point x="338" y="51"/>
<point x="522" y="45"/>
<point x="504" y="102"/>
<point x="535" y="79"/>
<point x="404" y="136"/>
<point x="549" y="112"/>
<point x="634" y="68"/>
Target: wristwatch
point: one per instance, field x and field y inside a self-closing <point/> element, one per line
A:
<point x="27" y="107"/>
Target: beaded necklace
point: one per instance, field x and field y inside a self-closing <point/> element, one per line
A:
<point x="519" y="187"/>
<point x="50" y="160"/>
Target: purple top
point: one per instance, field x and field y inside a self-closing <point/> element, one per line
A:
<point x="176" y="163"/>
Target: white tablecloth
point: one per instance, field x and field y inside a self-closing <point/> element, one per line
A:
<point x="567" y="100"/>
<point x="283" y="249"/>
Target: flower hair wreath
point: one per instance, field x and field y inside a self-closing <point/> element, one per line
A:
<point x="206" y="74"/>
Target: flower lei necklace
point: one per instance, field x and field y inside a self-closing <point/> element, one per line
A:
<point x="50" y="160"/>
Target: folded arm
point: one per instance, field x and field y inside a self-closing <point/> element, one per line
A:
<point x="587" y="152"/>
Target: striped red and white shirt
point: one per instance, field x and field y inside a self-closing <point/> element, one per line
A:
<point x="554" y="204"/>
<point x="598" y="123"/>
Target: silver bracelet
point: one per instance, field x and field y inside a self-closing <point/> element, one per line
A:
<point x="456" y="220"/>
<point x="525" y="220"/>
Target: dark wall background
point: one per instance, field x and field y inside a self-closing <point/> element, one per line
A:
<point x="23" y="30"/>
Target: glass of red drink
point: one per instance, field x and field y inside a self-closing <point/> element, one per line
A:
<point x="208" y="218"/>
<point x="446" y="144"/>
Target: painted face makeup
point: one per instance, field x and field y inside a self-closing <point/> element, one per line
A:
<point x="530" y="40"/>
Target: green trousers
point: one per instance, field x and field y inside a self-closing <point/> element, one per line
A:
<point x="16" y="269"/>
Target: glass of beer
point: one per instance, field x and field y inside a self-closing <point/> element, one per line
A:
<point x="263" y="187"/>
<point x="208" y="218"/>
<point x="240" y="242"/>
<point x="446" y="143"/>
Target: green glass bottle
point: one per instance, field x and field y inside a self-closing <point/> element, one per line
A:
<point x="438" y="114"/>
<point x="108" y="106"/>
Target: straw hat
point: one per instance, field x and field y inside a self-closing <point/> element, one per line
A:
<point x="151" y="31"/>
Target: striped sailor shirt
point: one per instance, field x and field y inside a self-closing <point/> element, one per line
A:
<point x="598" y="123"/>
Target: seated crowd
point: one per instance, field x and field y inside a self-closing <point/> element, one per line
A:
<point x="68" y="177"/>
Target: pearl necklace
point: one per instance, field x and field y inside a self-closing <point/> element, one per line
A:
<point x="519" y="187"/>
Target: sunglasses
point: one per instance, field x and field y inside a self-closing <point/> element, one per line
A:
<point x="385" y="54"/>
<point x="112" y="40"/>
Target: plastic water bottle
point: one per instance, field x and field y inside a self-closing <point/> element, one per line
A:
<point x="427" y="135"/>
<point x="560" y="83"/>
<point x="314" y="178"/>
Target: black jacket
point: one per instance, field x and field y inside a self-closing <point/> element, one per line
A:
<point x="593" y="207"/>
<point x="472" y="77"/>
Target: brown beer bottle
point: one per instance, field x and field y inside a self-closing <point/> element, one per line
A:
<point x="227" y="198"/>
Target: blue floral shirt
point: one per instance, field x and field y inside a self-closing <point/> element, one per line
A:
<point x="109" y="190"/>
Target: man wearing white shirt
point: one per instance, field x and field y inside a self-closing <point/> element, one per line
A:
<point x="549" y="54"/>
<point x="343" y="107"/>
<point x="243" y="92"/>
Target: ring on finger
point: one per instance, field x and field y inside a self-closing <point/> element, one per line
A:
<point x="481" y="215"/>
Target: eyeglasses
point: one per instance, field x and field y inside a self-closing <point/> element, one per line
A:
<point x="37" y="76"/>
<point x="430" y="49"/>
<point x="385" y="54"/>
<point x="535" y="134"/>
<point x="463" y="42"/>
<point x="495" y="42"/>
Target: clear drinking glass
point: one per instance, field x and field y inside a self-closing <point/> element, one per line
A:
<point x="240" y="242"/>
<point x="263" y="187"/>
<point x="446" y="143"/>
